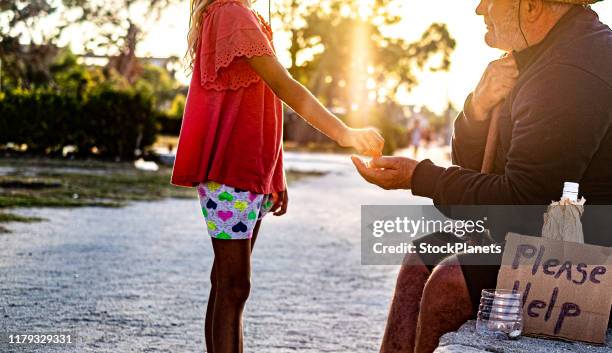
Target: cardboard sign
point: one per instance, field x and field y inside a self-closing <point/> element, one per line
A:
<point x="567" y="287"/>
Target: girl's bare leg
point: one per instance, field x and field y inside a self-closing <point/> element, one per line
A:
<point x="208" y="327"/>
<point x="255" y="233"/>
<point x="230" y="308"/>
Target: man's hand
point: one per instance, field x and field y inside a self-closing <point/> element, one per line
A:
<point x="389" y="173"/>
<point x="495" y="84"/>
<point x="280" y="201"/>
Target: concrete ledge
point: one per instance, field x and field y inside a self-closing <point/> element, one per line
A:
<point x="467" y="340"/>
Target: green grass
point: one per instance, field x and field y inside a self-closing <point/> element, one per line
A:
<point x="62" y="183"/>
<point x="9" y="217"/>
<point x="113" y="189"/>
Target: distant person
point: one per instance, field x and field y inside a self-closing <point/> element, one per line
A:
<point x="428" y="136"/>
<point x="230" y="147"/>
<point x="555" y="125"/>
<point x="415" y="137"/>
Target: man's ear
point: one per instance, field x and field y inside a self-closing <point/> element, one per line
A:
<point x="533" y="9"/>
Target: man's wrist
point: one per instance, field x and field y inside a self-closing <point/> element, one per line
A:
<point x="468" y="132"/>
<point x="425" y="178"/>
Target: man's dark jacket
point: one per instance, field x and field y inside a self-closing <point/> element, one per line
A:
<point x="555" y="126"/>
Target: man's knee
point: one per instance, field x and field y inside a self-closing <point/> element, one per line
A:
<point x="447" y="283"/>
<point x="413" y="259"/>
<point x="412" y="272"/>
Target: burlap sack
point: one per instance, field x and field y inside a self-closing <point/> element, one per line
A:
<point x="562" y="221"/>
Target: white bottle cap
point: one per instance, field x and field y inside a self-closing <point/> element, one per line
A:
<point x="570" y="191"/>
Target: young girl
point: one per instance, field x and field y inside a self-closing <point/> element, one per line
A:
<point x="230" y="146"/>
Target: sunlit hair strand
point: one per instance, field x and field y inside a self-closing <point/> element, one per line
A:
<point x="198" y="7"/>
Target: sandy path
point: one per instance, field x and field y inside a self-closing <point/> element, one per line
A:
<point x="136" y="279"/>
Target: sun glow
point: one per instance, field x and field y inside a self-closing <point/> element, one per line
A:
<point x="364" y="8"/>
<point x="469" y="59"/>
<point x="359" y="69"/>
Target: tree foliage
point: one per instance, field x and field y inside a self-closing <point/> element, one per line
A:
<point x="26" y="64"/>
<point x="342" y="50"/>
<point x="107" y="123"/>
<point x="119" y="25"/>
<point x="28" y="51"/>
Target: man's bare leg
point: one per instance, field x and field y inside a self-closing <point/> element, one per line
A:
<point x="445" y="305"/>
<point x="400" y="331"/>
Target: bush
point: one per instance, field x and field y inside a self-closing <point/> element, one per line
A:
<point x="169" y="125"/>
<point x="116" y="123"/>
<point x="119" y="123"/>
<point x="170" y="121"/>
<point x="38" y="119"/>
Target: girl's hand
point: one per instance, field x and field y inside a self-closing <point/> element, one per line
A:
<point x="280" y="201"/>
<point x="366" y="141"/>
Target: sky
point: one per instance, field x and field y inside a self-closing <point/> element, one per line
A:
<point x="469" y="59"/>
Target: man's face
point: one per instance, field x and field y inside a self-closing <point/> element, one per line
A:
<point x="501" y="18"/>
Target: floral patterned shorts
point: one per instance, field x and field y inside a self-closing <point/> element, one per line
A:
<point x="231" y="213"/>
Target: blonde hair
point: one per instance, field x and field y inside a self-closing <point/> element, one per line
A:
<point x="198" y="7"/>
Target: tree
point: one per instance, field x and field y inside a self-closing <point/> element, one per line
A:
<point x="25" y="61"/>
<point x="28" y="51"/>
<point x="159" y="84"/>
<point x="339" y="51"/>
<point x="119" y="26"/>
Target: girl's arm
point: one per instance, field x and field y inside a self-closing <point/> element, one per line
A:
<point x="308" y="107"/>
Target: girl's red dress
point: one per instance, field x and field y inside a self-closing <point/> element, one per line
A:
<point x="232" y="125"/>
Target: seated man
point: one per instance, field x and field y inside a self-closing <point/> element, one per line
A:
<point x="555" y="95"/>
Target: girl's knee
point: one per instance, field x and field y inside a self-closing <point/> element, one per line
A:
<point x="236" y="290"/>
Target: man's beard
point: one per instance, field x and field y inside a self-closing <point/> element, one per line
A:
<point x="509" y="33"/>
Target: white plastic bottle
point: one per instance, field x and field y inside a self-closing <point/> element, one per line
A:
<point x="570" y="191"/>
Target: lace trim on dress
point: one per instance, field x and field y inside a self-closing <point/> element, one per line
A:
<point x="226" y="67"/>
